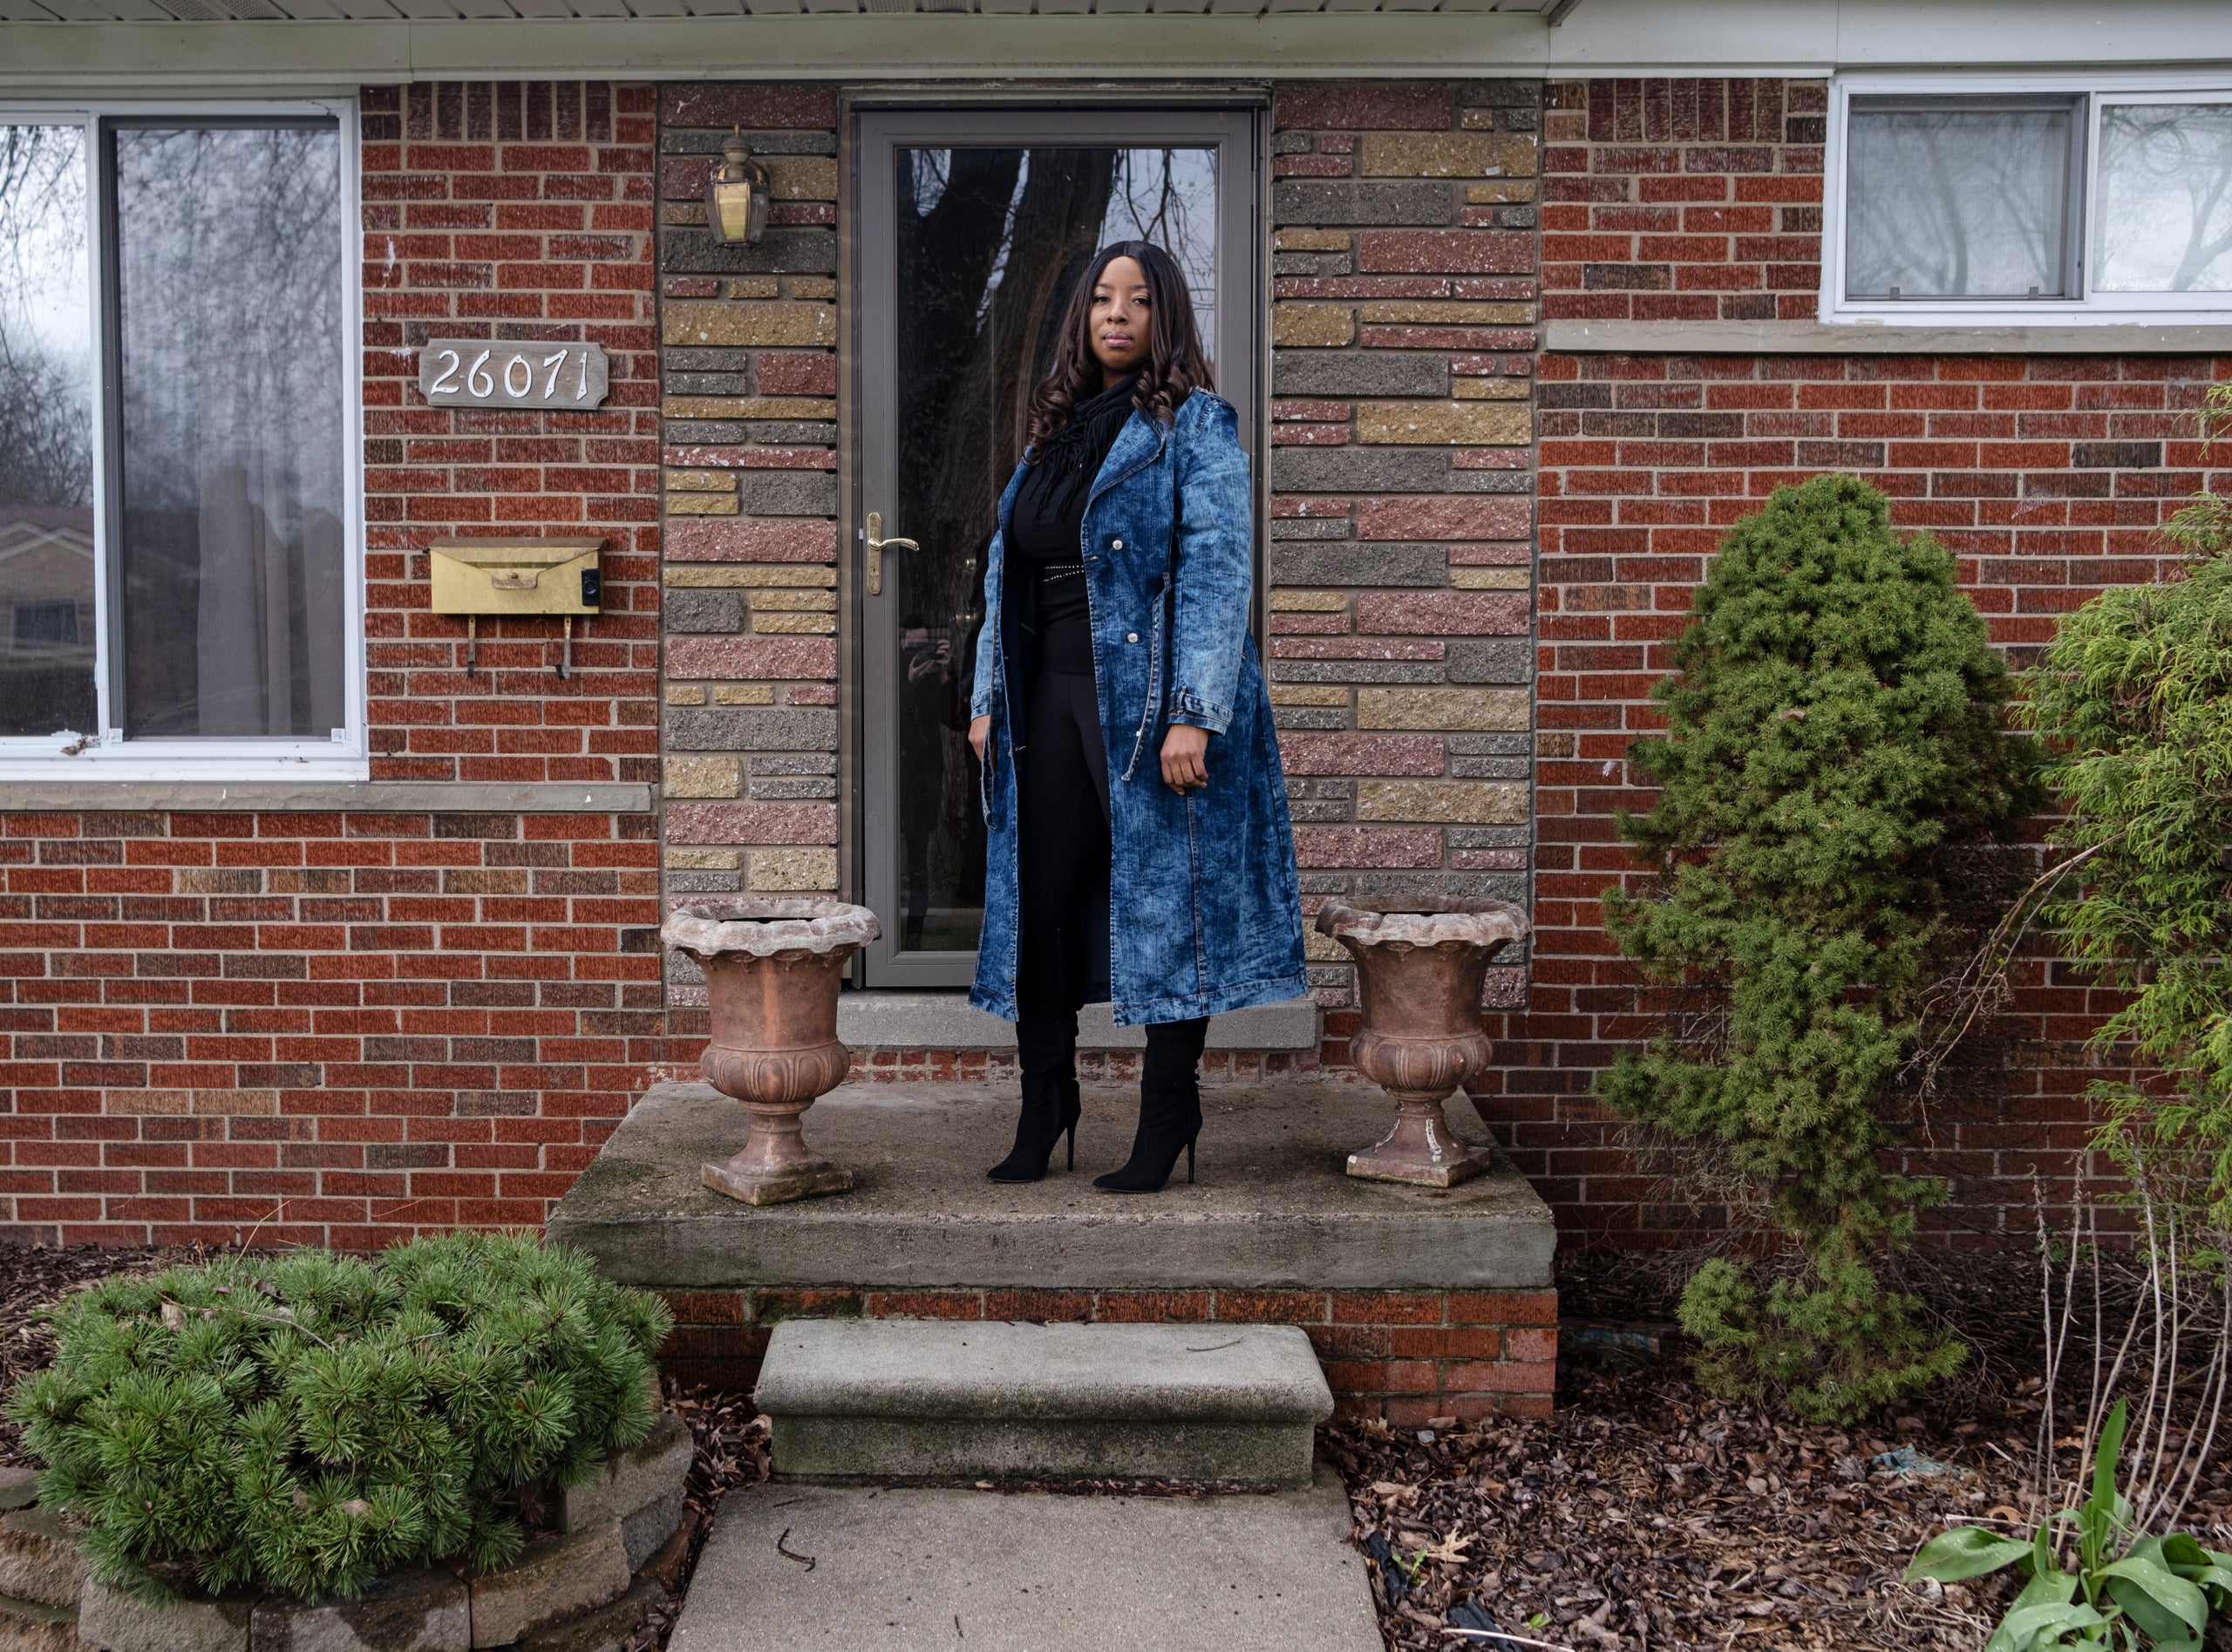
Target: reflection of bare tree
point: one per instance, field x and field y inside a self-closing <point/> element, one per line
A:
<point x="1958" y="203"/>
<point x="990" y="244"/>
<point x="969" y="352"/>
<point x="2165" y="178"/>
<point x="229" y="317"/>
<point x="45" y="430"/>
<point x="46" y="459"/>
<point x="45" y="407"/>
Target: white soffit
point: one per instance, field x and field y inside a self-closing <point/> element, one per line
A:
<point x="169" y="44"/>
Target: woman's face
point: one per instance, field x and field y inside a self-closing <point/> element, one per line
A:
<point x="1120" y="324"/>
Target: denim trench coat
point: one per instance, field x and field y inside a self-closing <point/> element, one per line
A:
<point x="1205" y="912"/>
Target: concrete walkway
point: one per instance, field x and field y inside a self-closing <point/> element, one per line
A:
<point x="912" y="1570"/>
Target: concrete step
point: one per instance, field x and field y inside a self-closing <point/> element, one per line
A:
<point x="929" y="1400"/>
<point x="790" y="1569"/>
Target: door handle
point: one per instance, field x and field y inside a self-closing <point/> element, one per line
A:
<point x="877" y="545"/>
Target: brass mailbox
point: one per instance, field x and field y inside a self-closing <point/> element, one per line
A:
<point x="516" y="576"/>
<point x="474" y="577"/>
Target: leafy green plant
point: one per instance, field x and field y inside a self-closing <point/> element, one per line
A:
<point x="1835" y="736"/>
<point x="310" y="1421"/>
<point x="2134" y="701"/>
<point x="2091" y="1578"/>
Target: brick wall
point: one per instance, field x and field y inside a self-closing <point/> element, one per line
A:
<point x="1683" y="199"/>
<point x="322" y="1029"/>
<point x="1404" y="282"/>
<point x="2045" y="476"/>
<point x="1407" y="1355"/>
<point x="509" y="210"/>
<point x="750" y="337"/>
<point x="345" y="1028"/>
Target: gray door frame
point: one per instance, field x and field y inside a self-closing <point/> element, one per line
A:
<point x="1236" y="131"/>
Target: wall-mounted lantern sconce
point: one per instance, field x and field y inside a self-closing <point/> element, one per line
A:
<point x="735" y="197"/>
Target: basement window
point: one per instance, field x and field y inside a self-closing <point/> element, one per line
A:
<point x="1960" y="202"/>
<point x="179" y="451"/>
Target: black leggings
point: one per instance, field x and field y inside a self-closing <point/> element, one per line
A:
<point x="1064" y="852"/>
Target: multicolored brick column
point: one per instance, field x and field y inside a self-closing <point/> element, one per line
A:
<point x="1405" y="291"/>
<point x="750" y="336"/>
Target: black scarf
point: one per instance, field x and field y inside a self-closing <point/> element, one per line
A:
<point x="1048" y="521"/>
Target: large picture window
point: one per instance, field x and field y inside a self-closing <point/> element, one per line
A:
<point x="2036" y="203"/>
<point x="178" y="454"/>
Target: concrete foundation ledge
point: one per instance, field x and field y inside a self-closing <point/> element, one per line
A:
<point x="354" y="797"/>
<point x="869" y="1021"/>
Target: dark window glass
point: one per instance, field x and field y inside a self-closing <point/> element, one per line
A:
<point x="46" y="624"/>
<point x="47" y="450"/>
<point x="1958" y="200"/>
<point x="991" y="243"/>
<point x="228" y="323"/>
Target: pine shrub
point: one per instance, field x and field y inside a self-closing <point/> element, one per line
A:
<point x="1835" y="734"/>
<point x="307" y="1422"/>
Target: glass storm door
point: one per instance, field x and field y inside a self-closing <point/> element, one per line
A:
<point x="975" y="227"/>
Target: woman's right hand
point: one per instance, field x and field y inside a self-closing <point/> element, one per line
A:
<point x="980" y="733"/>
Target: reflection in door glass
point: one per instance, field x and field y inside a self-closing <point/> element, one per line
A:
<point x="990" y="244"/>
<point x="46" y="435"/>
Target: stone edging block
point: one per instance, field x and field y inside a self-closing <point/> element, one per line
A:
<point x="417" y="1609"/>
<point x="118" y="1622"/>
<point x="645" y="1476"/>
<point x="25" y="1627"/>
<point x="557" y="1577"/>
<point x="39" y="1560"/>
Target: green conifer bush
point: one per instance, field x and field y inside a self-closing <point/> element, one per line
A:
<point x="310" y="1421"/>
<point x="1835" y="733"/>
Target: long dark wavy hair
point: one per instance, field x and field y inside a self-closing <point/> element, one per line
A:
<point x="1174" y="368"/>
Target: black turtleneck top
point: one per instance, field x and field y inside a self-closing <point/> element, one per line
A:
<point x="1046" y="526"/>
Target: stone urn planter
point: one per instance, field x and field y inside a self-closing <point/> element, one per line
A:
<point x="773" y="968"/>
<point x="1420" y="975"/>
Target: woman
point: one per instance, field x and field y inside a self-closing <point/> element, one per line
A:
<point x="1134" y="812"/>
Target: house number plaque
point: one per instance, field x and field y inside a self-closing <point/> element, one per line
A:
<point x="477" y="372"/>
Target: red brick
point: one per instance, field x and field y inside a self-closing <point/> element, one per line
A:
<point x="1277" y="1307"/>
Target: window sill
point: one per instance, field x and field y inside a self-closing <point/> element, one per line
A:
<point x="1862" y="338"/>
<point x="323" y="796"/>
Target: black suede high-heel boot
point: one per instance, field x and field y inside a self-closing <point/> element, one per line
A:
<point x="1170" y="1109"/>
<point x="1046" y="1051"/>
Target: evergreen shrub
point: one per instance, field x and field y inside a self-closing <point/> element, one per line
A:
<point x="310" y="1421"/>
<point x="1835" y="737"/>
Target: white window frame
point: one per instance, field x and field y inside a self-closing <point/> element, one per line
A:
<point x="2087" y="308"/>
<point x="105" y="754"/>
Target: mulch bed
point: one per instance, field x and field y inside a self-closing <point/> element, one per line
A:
<point x="1648" y="1515"/>
<point x="1645" y="1514"/>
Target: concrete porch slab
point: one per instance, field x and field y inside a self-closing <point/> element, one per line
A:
<point x="912" y="1570"/>
<point x="1273" y="1207"/>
